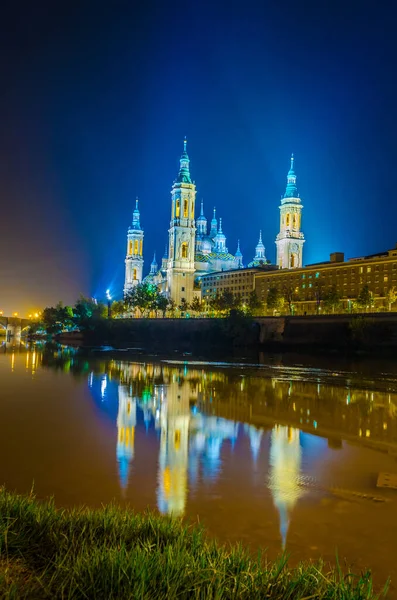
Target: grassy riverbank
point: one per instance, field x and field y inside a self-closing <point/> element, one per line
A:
<point x="113" y="553"/>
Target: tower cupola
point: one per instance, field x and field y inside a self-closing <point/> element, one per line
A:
<point x="154" y="266"/>
<point x="260" y="249"/>
<point x="184" y="172"/>
<point x="214" y="225"/>
<point x="291" y="190"/>
<point x="220" y="239"/>
<point x="201" y="222"/>
<point x="136" y="217"/>
<point x="238" y="255"/>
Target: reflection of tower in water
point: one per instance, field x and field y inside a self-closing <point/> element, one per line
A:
<point x="126" y="422"/>
<point x="255" y="437"/>
<point x="285" y="464"/>
<point x="173" y="462"/>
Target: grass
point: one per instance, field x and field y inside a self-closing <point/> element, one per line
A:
<point x="115" y="553"/>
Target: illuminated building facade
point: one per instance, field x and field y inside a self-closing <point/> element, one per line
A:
<point x="290" y="239"/>
<point x="134" y="258"/>
<point x="197" y="248"/>
<point x="309" y="285"/>
<point x="241" y="282"/>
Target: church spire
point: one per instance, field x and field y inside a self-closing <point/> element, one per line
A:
<point x="291" y="189"/>
<point x="220" y="239"/>
<point x="154" y="265"/>
<point x="202" y="222"/>
<point x="260" y="250"/>
<point x="214" y="225"/>
<point x="136" y="216"/>
<point x="184" y="173"/>
<point x="239" y="255"/>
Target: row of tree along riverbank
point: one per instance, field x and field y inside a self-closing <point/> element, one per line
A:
<point x="331" y="333"/>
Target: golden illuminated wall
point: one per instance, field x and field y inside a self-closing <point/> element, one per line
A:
<point x="285" y="467"/>
<point x="126" y="423"/>
<point x="174" y="448"/>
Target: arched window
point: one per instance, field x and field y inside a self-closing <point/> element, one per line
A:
<point x="287" y="220"/>
<point x="294" y="221"/>
<point x="293" y="260"/>
<point x="185" y="209"/>
<point x="130" y="247"/>
<point x="136" y="247"/>
<point x="184" y="249"/>
<point x="177" y="209"/>
<point x="134" y="274"/>
<point x="140" y="247"/>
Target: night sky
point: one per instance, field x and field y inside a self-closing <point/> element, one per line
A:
<point x="96" y="98"/>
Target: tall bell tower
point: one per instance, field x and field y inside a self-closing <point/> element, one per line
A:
<point x="134" y="258"/>
<point x="182" y="234"/>
<point x="290" y="240"/>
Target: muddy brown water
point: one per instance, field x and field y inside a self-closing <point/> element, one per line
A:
<point x="276" y="454"/>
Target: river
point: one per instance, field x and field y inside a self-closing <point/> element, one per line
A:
<point x="280" y="453"/>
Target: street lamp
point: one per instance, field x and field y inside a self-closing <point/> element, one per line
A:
<point x="109" y="299"/>
<point x="15" y="314"/>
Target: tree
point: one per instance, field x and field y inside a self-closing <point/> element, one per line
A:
<point x="318" y="295"/>
<point x="365" y="299"/>
<point x="288" y="295"/>
<point x="86" y="311"/>
<point x="196" y="305"/>
<point x="56" y="319"/>
<point x="391" y="297"/>
<point x="331" y="299"/>
<point x="274" y="300"/>
<point x="162" y="304"/>
<point x="253" y="302"/>
<point x="184" y="306"/>
<point x="171" y="307"/>
<point x="118" y="308"/>
<point x="142" y="297"/>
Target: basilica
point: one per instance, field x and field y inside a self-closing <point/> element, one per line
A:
<point x="196" y="247"/>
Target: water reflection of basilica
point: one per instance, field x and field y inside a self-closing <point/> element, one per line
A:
<point x="189" y="440"/>
<point x="195" y="411"/>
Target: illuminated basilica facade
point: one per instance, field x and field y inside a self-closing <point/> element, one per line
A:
<point x="196" y="247"/>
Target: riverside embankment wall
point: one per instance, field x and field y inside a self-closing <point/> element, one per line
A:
<point x="326" y="332"/>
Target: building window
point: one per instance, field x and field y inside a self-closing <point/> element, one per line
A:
<point x="303" y="276"/>
<point x="185" y="209"/>
<point x="303" y="286"/>
<point x="134" y="273"/>
<point x="182" y="289"/>
<point x="287" y="220"/>
<point x="130" y="247"/>
<point x="385" y="279"/>
<point x="136" y="247"/>
<point x="317" y="274"/>
<point x="184" y="249"/>
<point x="368" y="269"/>
<point x="361" y="269"/>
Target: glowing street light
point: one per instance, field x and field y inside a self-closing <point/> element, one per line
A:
<point x="15" y="314"/>
<point x="109" y="299"/>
